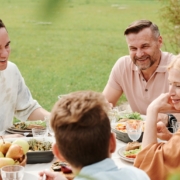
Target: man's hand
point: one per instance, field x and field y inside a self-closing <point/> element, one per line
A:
<point x="162" y="131"/>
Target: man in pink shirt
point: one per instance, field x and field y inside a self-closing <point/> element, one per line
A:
<point x="142" y="74"/>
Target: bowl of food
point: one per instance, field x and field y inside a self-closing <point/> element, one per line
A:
<point x="13" y="152"/>
<point x="40" y="149"/>
<point x="119" y="129"/>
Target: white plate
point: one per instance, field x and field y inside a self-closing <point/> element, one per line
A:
<point x="122" y="156"/>
<point x="19" y="130"/>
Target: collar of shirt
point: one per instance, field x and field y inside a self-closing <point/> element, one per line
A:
<point x="104" y="165"/>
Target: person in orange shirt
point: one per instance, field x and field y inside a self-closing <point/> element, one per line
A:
<point x="158" y="159"/>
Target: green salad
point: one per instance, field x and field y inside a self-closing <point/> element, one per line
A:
<point x="25" y="125"/>
<point x="134" y="115"/>
<point x="131" y="152"/>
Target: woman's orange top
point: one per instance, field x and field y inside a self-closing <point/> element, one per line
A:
<point x="160" y="159"/>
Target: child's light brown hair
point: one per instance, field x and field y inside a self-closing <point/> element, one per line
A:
<point x="82" y="127"/>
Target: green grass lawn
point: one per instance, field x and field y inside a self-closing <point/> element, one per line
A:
<point x="76" y="47"/>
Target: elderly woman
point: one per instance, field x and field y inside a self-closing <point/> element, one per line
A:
<point x="159" y="159"/>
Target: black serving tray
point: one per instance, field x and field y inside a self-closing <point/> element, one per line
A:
<point x="39" y="157"/>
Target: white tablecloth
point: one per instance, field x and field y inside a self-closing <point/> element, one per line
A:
<point x="31" y="170"/>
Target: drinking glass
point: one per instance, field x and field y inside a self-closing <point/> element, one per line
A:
<point x="48" y="124"/>
<point x="113" y="115"/>
<point x="134" y="129"/>
<point x="12" y="172"/>
<point x="39" y="132"/>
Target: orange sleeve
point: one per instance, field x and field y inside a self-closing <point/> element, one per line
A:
<point x="159" y="159"/>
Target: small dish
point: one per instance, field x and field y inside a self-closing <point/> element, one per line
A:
<point x="57" y="166"/>
<point x="123" y="157"/>
<point x="19" y="130"/>
<point x="11" y="131"/>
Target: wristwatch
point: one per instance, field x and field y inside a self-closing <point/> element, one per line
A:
<point x="171" y="123"/>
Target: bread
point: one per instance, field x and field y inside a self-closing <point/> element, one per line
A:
<point x="31" y="126"/>
<point x="133" y="145"/>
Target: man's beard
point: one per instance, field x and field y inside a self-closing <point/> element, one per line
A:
<point x="144" y="66"/>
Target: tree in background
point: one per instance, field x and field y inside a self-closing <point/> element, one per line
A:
<point x="170" y="17"/>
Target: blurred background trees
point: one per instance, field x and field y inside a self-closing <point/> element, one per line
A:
<point x="170" y="18"/>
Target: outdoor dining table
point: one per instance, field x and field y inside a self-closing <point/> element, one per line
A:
<point x="31" y="170"/>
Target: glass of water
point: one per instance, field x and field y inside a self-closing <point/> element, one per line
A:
<point x="134" y="129"/>
<point x="14" y="172"/>
<point x="113" y="115"/>
<point x="39" y="132"/>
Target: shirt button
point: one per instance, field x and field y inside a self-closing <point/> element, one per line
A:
<point x="146" y="89"/>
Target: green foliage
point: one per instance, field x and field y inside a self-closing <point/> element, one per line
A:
<point x="175" y="175"/>
<point x="76" y="47"/>
<point x="134" y="115"/>
<point x="171" y="23"/>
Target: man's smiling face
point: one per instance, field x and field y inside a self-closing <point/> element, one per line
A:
<point x="144" y="49"/>
<point x="4" y="48"/>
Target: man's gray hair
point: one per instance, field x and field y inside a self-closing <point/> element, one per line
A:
<point x="139" y="25"/>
